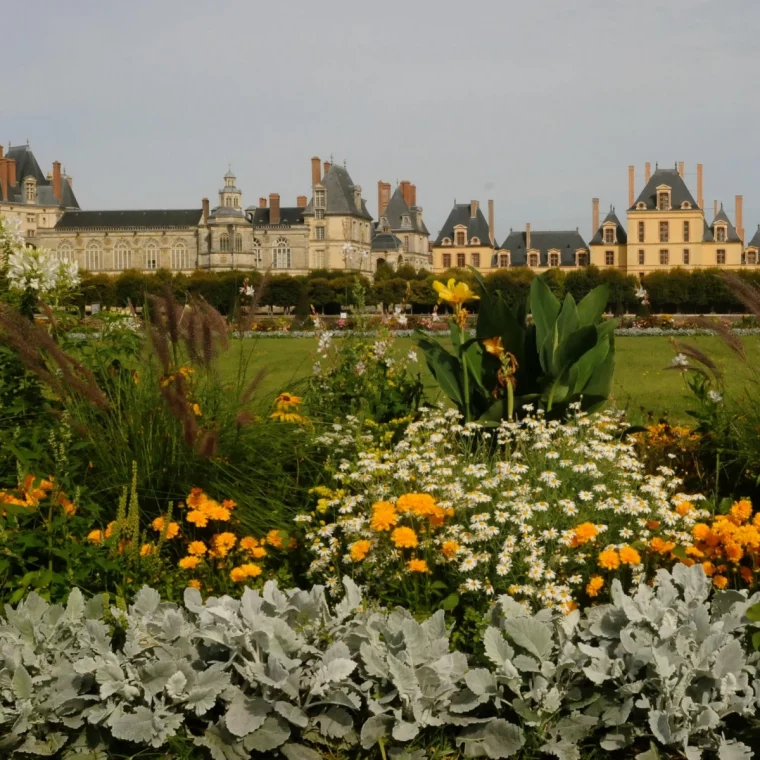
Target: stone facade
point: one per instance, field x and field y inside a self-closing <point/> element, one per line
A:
<point x="400" y="235"/>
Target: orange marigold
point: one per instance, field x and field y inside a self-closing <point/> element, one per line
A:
<point x="196" y="498"/>
<point x="248" y="543"/>
<point x="172" y="530"/>
<point x="700" y="532"/>
<point x="189" y="563"/>
<point x="258" y="552"/>
<point x="660" y="546"/>
<point x="741" y="511"/>
<point x="96" y="536"/>
<point x="194" y="583"/>
<point x="359" y="550"/>
<point x="584" y="533"/>
<point x="720" y="581"/>
<point x="450" y="549"/>
<point x="418" y="566"/>
<point x="709" y="568"/>
<point x="384" y="516"/>
<point x="274" y="538"/>
<point x="221" y="543"/>
<point x="684" y="508"/>
<point x="146" y="549"/>
<point x="609" y="559"/>
<point x="196" y="547"/>
<point x="594" y="586"/>
<point x="629" y="556"/>
<point x="404" y="538"/>
<point x="733" y="552"/>
<point x="197" y="518"/>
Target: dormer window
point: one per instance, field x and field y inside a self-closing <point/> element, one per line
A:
<point x="641" y="206"/>
<point x="31" y="191"/>
<point x="582" y="259"/>
<point x="474" y="241"/>
<point x="686" y="205"/>
<point x="406" y="221"/>
<point x="460" y="237"/>
<point x="752" y="257"/>
<point x="553" y="259"/>
<point x="447" y="241"/>
<point x="720" y="233"/>
<point x="533" y="260"/>
<point x="319" y="198"/>
<point x="609" y="235"/>
<point x="663" y="199"/>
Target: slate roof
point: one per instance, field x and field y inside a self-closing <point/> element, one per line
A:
<point x="339" y="190"/>
<point x="707" y="235"/>
<point x="27" y="166"/>
<point x="566" y="242"/>
<point x="755" y="242"/>
<point x="678" y="190"/>
<point x="386" y="241"/>
<point x="397" y="209"/>
<point x="732" y="235"/>
<point x="289" y="215"/>
<point x="225" y="211"/>
<point x="621" y="234"/>
<point x="476" y="227"/>
<point x="153" y="218"/>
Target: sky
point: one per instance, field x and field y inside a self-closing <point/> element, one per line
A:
<point x="539" y="104"/>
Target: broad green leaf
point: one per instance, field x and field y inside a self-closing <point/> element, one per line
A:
<point x="299" y="752"/>
<point x="753" y="613"/>
<point x="592" y="305"/>
<point x="545" y="308"/>
<point x="246" y="715"/>
<point x="567" y="321"/>
<point x="22" y="685"/>
<point x="273" y="733"/>
<point x="375" y="728"/>
<point x="531" y="634"/>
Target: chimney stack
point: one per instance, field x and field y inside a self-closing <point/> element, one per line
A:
<point x="715" y="209"/>
<point x="274" y="208"/>
<point x="301" y="201"/>
<point x="631" y="196"/>
<point x="740" y="216"/>
<point x="383" y="197"/>
<point x="205" y="205"/>
<point x="1" y="151"/>
<point x="680" y="169"/>
<point x="700" y="197"/>
<point x="474" y="208"/>
<point x="327" y="166"/>
<point x="595" y="215"/>
<point x="57" y="189"/>
<point x="405" y="191"/>
<point x="491" y="227"/>
<point x="527" y="236"/>
<point x="647" y="172"/>
<point x="262" y="202"/>
<point x="316" y="177"/>
<point x="4" y="191"/>
<point x="413" y="195"/>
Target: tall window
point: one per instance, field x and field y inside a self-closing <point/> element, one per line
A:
<point x="663" y="201"/>
<point x="281" y="254"/>
<point x="582" y="259"/>
<point x="151" y="256"/>
<point x="93" y="256"/>
<point x="664" y="232"/>
<point x="179" y="256"/>
<point x="122" y="256"/>
<point x="31" y="193"/>
<point x="238" y="243"/>
<point x="686" y="256"/>
<point x="224" y="243"/>
<point x="641" y="258"/>
<point x="752" y="257"/>
<point x="65" y="252"/>
<point x="720" y="234"/>
<point x="460" y="238"/>
<point x="320" y="233"/>
<point x="641" y="232"/>
<point x="553" y="259"/>
<point x="609" y="235"/>
<point x="475" y="259"/>
<point x="609" y="258"/>
<point x="446" y="260"/>
<point x="503" y="259"/>
<point x="686" y="232"/>
<point x="461" y="260"/>
<point x="720" y="256"/>
<point x="664" y="258"/>
<point x="257" y="261"/>
<point x="319" y="213"/>
<point x="319" y="199"/>
<point x="406" y="243"/>
<point x="533" y="260"/>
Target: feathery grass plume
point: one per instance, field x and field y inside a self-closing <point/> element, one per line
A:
<point x="176" y="397"/>
<point x="748" y="294"/>
<point x="692" y="352"/>
<point x="725" y="333"/>
<point x="209" y="443"/>
<point x="250" y="389"/>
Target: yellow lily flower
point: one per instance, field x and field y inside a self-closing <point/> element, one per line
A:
<point x="494" y="346"/>
<point x="454" y="292"/>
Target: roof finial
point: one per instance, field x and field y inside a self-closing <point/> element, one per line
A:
<point x="332" y="159"/>
<point x="721" y="205"/>
<point x="27" y="142"/>
<point x="656" y="165"/>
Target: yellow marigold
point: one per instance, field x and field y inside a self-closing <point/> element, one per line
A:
<point x="215" y="511"/>
<point x="709" y="568"/>
<point x="700" y="532"/>
<point x="450" y="549"/>
<point x="584" y="533"/>
<point x="418" y="566"/>
<point x="194" y="583"/>
<point x="197" y="518"/>
<point x="741" y="511"/>
<point x="609" y="559"/>
<point x="258" y="552"/>
<point x="196" y="547"/>
<point x="720" y="581"/>
<point x="421" y="504"/>
<point x="237" y="574"/>
<point x="172" y="529"/>
<point x="384" y="516"/>
<point x="404" y="538"/>
<point x="692" y="551"/>
<point x="110" y="528"/>
<point x="746" y="574"/>
<point x="684" y="508"/>
<point x="248" y="570"/>
<point x="146" y="549"/>
<point x="229" y="504"/>
<point x="248" y="543"/>
<point x="274" y="538"/>
<point x="197" y="410"/>
<point x="733" y="552"/>
<point x="359" y="549"/>
<point x="222" y="543"/>
<point x="594" y="586"/>
<point x="189" y="563"/>
<point x="660" y="546"/>
<point x="196" y="498"/>
<point x="629" y="556"/>
<point x="96" y="536"/>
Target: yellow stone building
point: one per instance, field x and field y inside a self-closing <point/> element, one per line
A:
<point x="466" y="239"/>
<point x="400" y="235"/>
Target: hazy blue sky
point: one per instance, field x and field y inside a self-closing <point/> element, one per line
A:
<point x="539" y="104"/>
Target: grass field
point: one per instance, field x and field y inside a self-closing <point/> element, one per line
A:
<point x="642" y="383"/>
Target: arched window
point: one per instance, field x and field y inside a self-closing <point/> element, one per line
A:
<point x="257" y="261"/>
<point x="151" y="256"/>
<point x="238" y="243"/>
<point x="533" y="260"/>
<point x="281" y="254"/>
<point x="752" y="257"/>
<point x="122" y="256"/>
<point x="179" y="255"/>
<point x="93" y="256"/>
<point x="65" y="252"/>
<point x="224" y="243"/>
<point x="553" y="259"/>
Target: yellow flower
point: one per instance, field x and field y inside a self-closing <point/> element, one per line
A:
<point x="248" y="570"/>
<point x="418" y="566"/>
<point x="494" y="346"/>
<point x="194" y="583"/>
<point x="583" y="533"/>
<point x="222" y="543"/>
<point x="248" y="543"/>
<point x="258" y="552"/>
<point x="609" y="559"/>
<point x="198" y="518"/>
<point x="384" y="516"/>
<point x="189" y="563"/>
<point x="422" y="505"/>
<point x="404" y="538"/>
<point x="595" y="585"/>
<point x="287" y="399"/>
<point x="171" y="531"/>
<point x="197" y="410"/>
<point x="454" y="293"/>
<point x="237" y="574"/>
<point x="700" y="531"/>
<point x="285" y="416"/>
<point x="450" y="549"/>
<point x="274" y="538"/>
<point x="96" y="536"/>
<point x="196" y="498"/>
<point x="196" y="547"/>
<point x="684" y="508"/>
<point x="741" y="511"/>
<point x="720" y="581"/>
<point x="359" y="550"/>
<point x="629" y="556"/>
<point x="146" y="549"/>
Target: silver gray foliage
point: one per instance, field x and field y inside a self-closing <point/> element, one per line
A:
<point x="284" y="674"/>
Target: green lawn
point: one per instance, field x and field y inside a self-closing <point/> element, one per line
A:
<point x="642" y="382"/>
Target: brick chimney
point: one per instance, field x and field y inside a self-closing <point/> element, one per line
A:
<point x="740" y="216"/>
<point x="316" y="176"/>
<point x="57" y="189"/>
<point x="274" y="208"/>
<point x="413" y="195"/>
<point x="647" y="172"/>
<point x="1" y="151"/>
<point x="491" y="227"/>
<point x="527" y="236"/>
<point x="205" y="205"/>
<point x="301" y="201"/>
<point x="405" y="191"/>
<point x="383" y="197"/>
<point x="262" y="202"/>
<point x="594" y="216"/>
<point x="327" y="166"/>
<point x="474" y="208"/>
<point x="631" y="195"/>
<point x="680" y="169"/>
<point x="700" y="187"/>
<point x="4" y="193"/>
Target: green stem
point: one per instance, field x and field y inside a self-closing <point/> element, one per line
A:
<point x="463" y="357"/>
<point x="510" y="400"/>
<point x="382" y="748"/>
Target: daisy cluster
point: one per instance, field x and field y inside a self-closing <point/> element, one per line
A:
<point x="544" y="511"/>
